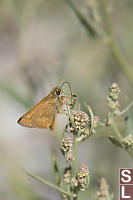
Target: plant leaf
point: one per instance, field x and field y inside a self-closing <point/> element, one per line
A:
<point x="115" y="141"/>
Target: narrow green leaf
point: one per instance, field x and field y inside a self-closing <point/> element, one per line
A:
<point x="48" y="183"/>
<point x="115" y="141"/>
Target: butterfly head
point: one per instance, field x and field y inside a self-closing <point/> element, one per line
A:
<point x="57" y="91"/>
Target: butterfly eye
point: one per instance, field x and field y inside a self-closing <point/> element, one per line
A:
<point x="58" y="92"/>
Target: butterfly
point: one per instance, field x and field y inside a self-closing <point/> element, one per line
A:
<point x="43" y="115"/>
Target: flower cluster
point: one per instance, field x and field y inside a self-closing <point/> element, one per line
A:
<point x="103" y="192"/>
<point x="92" y="3"/>
<point x="66" y="147"/>
<point x="74" y="182"/>
<point x="82" y="179"/>
<point x="80" y="125"/>
<point x="128" y="142"/>
<point x="112" y="99"/>
<point x="80" y="119"/>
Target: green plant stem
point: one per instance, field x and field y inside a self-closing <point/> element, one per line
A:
<point x="61" y="137"/>
<point x="116" y="130"/>
<point x="126" y="109"/>
<point x="48" y="183"/>
<point x="75" y="155"/>
<point x="115" y="50"/>
<point x="102" y="124"/>
<point x="82" y="138"/>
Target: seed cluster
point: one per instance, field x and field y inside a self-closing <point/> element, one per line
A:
<point x="82" y="179"/>
<point x="103" y="192"/>
<point x="74" y="182"/>
<point x="112" y="99"/>
<point x="128" y="142"/>
<point x="80" y="119"/>
<point x="66" y="147"/>
<point x="79" y="125"/>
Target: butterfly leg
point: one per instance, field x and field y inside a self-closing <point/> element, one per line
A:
<point x="52" y="127"/>
<point x="61" y="111"/>
<point x="73" y="101"/>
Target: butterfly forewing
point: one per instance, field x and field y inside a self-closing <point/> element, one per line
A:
<point x="41" y="116"/>
<point x="26" y="119"/>
<point x="44" y="116"/>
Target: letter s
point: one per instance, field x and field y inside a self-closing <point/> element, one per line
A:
<point x="125" y="173"/>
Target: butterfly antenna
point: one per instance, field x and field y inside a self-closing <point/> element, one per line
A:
<point x="65" y="82"/>
<point x="68" y="85"/>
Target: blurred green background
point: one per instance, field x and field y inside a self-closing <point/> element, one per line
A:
<point x="41" y="42"/>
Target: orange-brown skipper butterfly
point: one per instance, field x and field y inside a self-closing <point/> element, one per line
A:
<point x="43" y="115"/>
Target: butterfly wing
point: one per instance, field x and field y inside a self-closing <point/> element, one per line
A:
<point x="42" y="116"/>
